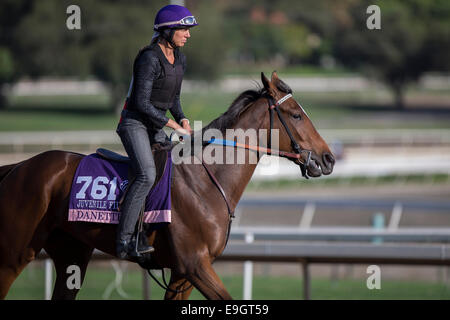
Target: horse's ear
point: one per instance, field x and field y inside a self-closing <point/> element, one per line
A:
<point x="268" y="85"/>
<point x="274" y="78"/>
<point x="265" y="81"/>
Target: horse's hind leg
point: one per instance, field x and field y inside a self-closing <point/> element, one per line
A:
<point x="9" y="270"/>
<point x="12" y="264"/>
<point x="178" y="283"/>
<point x="67" y="251"/>
<point x="206" y="280"/>
<point x="19" y="245"/>
<point x="7" y="277"/>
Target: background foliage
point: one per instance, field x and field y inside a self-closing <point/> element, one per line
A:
<point x="415" y="38"/>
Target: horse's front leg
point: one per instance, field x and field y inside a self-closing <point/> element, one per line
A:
<point x="180" y="284"/>
<point x="71" y="258"/>
<point x="206" y="280"/>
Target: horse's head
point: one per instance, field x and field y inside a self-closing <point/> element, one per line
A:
<point x="297" y="134"/>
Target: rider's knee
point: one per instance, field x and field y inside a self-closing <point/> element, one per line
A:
<point x="147" y="177"/>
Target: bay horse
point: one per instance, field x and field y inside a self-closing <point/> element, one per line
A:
<point x="34" y="197"/>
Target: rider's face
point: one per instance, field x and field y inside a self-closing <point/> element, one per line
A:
<point x="180" y="37"/>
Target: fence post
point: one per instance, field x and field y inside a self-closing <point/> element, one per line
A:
<point x="146" y="285"/>
<point x="306" y="281"/>
<point x="395" y="216"/>
<point x="248" y="271"/>
<point x="308" y="215"/>
<point x="378" y="224"/>
<point x="48" y="278"/>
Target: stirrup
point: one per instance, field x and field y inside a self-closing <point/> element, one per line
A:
<point x="139" y="246"/>
<point x="143" y="250"/>
<point x="126" y="250"/>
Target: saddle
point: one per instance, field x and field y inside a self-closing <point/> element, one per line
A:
<point x="99" y="184"/>
<point x="159" y="152"/>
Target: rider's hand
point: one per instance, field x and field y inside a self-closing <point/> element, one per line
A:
<point x="186" y="126"/>
<point x="182" y="133"/>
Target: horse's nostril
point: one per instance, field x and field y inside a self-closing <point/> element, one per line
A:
<point x="328" y="159"/>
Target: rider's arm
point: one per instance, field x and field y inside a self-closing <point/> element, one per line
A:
<point x="176" y="110"/>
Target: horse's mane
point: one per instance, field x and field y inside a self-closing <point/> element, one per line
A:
<point x="241" y="104"/>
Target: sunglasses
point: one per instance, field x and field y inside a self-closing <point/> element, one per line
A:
<point x="186" y="21"/>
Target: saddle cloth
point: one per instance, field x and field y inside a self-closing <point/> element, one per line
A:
<point x="99" y="185"/>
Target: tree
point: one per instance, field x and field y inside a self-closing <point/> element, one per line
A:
<point x="11" y="12"/>
<point x="413" y="39"/>
<point x="110" y="37"/>
<point x="206" y="48"/>
<point x="37" y="43"/>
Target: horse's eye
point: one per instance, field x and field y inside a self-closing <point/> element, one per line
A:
<point x="297" y="116"/>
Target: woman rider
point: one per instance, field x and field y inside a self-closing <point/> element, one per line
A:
<point x="155" y="88"/>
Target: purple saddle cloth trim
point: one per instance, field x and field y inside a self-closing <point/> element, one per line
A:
<point x="99" y="184"/>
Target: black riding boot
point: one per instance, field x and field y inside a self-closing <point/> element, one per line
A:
<point x="132" y="248"/>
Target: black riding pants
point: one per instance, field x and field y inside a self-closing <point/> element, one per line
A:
<point x="137" y="140"/>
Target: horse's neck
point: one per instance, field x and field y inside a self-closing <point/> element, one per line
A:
<point x="235" y="177"/>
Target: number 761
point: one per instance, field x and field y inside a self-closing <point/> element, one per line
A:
<point x="99" y="188"/>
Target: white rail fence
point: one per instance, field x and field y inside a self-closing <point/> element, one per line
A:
<point x="305" y="244"/>
<point x="364" y="153"/>
<point x="344" y="83"/>
<point x="362" y="137"/>
<point x="307" y="252"/>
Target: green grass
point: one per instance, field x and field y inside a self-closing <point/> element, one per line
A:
<point x="47" y="113"/>
<point x="55" y="121"/>
<point x="30" y="285"/>
<point x="371" y="109"/>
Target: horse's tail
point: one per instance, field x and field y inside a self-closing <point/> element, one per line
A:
<point x="4" y="170"/>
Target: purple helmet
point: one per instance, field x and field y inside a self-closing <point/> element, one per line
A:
<point x="174" y="16"/>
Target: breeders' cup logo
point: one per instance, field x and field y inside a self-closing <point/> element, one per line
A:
<point x="123" y="185"/>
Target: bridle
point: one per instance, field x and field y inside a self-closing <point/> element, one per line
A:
<point x="297" y="149"/>
<point x="296" y="156"/>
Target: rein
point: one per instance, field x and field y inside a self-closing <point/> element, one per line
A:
<point x="165" y="286"/>
<point x="297" y="155"/>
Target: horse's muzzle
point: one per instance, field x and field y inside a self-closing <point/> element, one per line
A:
<point x="328" y="162"/>
<point x="321" y="165"/>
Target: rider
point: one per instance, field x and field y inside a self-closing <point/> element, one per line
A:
<point x="155" y="88"/>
